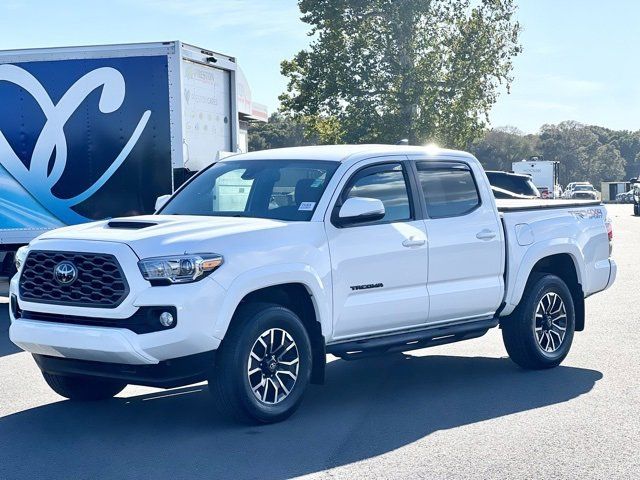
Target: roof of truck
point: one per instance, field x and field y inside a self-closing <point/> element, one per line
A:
<point x="341" y="153"/>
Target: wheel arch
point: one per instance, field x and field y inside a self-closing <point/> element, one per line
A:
<point x="301" y="291"/>
<point x="564" y="265"/>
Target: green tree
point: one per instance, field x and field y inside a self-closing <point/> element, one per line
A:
<point x="581" y="154"/>
<point x="627" y="142"/>
<point x="500" y="147"/>
<point x="607" y="165"/>
<point x="280" y="131"/>
<point x="382" y="70"/>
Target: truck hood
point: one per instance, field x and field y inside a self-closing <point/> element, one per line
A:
<point x="151" y="235"/>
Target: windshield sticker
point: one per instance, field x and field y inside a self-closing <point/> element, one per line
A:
<point x="306" y="206"/>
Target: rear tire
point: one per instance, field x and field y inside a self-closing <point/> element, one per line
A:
<point x="250" y="382"/>
<point x="81" y="388"/>
<point x="539" y="333"/>
<point x="636" y="209"/>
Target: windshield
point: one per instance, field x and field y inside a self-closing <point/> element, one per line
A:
<point x="583" y="187"/>
<point x="277" y="189"/>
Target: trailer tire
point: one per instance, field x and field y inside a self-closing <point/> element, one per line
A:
<point x="539" y="333"/>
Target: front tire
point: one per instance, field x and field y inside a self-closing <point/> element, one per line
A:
<point x="636" y="209"/>
<point x="539" y="333"/>
<point x="82" y="388"/>
<point x="263" y="366"/>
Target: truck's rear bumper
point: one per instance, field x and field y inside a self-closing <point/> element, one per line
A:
<point x="613" y="273"/>
<point x="166" y="374"/>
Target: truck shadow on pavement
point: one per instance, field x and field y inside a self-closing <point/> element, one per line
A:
<point x="367" y="408"/>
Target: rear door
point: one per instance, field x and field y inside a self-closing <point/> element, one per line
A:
<point x="379" y="269"/>
<point x="466" y="246"/>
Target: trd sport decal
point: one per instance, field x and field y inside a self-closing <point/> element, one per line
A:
<point x="587" y="214"/>
<point x="366" y="287"/>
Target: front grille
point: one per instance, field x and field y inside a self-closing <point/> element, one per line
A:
<point x="582" y="195"/>
<point x="100" y="282"/>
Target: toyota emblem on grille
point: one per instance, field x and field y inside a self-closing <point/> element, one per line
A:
<point x="65" y="273"/>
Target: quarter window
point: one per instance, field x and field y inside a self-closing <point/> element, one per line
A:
<point x="385" y="183"/>
<point x="448" y="191"/>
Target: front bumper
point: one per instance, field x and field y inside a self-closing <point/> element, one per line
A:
<point x="166" y="374"/>
<point x="195" y="304"/>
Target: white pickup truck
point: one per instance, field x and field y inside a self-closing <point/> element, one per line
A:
<point x="265" y="262"/>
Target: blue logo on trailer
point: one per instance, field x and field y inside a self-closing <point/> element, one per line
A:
<point x="82" y="140"/>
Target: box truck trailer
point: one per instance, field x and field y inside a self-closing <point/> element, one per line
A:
<point x="88" y="133"/>
<point x="544" y="174"/>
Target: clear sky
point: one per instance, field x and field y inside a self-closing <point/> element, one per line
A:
<point x="581" y="57"/>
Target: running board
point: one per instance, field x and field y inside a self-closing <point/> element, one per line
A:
<point x="402" y="342"/>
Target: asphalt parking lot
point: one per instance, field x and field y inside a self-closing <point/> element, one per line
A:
<point x="457" y="411"/>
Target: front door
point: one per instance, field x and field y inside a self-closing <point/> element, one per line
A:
<point x="379" y="269"/>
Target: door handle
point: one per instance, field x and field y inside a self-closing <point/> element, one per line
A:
<point x="413" y="242"/>
<point x="485" y="235"/>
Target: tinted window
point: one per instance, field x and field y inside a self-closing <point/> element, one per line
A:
<point x="387" y="184"/>
<point x="519" y="184"/>
<point x="278" y="189"/>
<point x="448" y="191"/>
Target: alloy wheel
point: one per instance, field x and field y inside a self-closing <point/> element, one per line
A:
<point x="272" y="367"/>
<point x="550" y="322"/>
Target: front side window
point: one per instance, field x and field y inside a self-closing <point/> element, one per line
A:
<point x="448" y="191"/>
<point x="385" y="183"/>
<point x="277" y="189"/>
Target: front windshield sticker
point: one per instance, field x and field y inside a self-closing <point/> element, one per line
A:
<point x="306" y="206"/>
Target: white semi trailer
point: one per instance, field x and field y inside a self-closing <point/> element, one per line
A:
<point x="544" y="174"/>
<point x="88" y="133"/>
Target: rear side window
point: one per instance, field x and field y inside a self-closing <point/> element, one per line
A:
<point x="449" y="191"/>
<point x="385" y="183"/>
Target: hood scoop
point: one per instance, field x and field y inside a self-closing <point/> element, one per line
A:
<point x="130" y="225"/>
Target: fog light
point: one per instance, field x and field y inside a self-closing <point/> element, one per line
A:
<point x="166" y="319"/>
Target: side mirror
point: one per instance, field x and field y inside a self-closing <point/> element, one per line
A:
<point x="161" y="200"/>
<point x="360" y="210"/>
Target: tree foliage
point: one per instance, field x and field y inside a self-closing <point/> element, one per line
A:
<point x="280" y="131"/>
<point x="585" y="152"/>
<point x="581" y="153"/>
<point x="381" y="70"/>
<point x="500" y="147"/>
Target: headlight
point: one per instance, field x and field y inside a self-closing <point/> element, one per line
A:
<point x="20" y="257"/>
<point x="179" y="268"/>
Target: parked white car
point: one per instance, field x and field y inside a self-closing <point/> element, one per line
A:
<point x="266" y="261"/>
<point x="568" y="191"/>
<point x="583" y="192"/>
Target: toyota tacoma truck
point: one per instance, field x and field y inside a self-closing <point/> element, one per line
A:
<point x="264" y="262"/>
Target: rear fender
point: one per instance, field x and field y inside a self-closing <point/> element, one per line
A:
<point x="535" y="253"/>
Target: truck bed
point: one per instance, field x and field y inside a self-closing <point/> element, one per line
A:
<point x="524" y="205"/>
